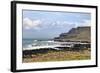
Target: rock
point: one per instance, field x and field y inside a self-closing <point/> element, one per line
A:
<point x="76" y="34"/>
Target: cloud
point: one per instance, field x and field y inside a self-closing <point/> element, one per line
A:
<point x="62" y="24"/>
<point x="44" y="24"/>
<point x="31" y="24"/>
<point x="87" y="22"/>
<point x="84" y="23"/>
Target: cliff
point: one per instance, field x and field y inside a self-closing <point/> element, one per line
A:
<point x="76" y="34"/>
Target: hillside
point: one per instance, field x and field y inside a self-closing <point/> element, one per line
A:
<point x="76" y="34"/>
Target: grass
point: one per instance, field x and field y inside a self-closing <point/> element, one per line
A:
<point x="59" y="56"/>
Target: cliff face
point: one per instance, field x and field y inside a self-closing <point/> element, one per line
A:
<point x="76" y="34"/>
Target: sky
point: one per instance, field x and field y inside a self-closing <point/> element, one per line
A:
<point x="50" y="24"/>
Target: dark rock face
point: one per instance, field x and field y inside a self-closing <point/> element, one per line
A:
<point x="76" y="34"/>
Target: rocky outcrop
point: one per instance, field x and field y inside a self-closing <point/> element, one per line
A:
<point x="76" y="34"/>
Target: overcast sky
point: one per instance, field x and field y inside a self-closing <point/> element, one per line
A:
<point x="48" y="24"/>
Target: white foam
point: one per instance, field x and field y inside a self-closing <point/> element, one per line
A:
<point x="39" y="47"/>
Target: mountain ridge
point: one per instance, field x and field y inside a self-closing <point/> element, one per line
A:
<point x="76" y="34"/>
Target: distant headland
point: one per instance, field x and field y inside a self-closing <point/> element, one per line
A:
<point x="82" y="33"/>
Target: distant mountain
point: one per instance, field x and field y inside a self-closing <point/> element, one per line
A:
<point x="76" y="34"/>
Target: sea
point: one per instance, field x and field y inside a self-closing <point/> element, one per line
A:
<point x="26" y="43"/>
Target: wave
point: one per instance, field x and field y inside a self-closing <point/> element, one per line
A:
<point x="35" y="40"/>
<point x="44" y="47"/>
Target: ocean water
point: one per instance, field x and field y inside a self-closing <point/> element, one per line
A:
<point x="33" y="43"/>
<point x="29" y="44"/>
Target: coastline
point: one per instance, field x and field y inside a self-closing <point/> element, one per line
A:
<point x="72" y="45"/>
